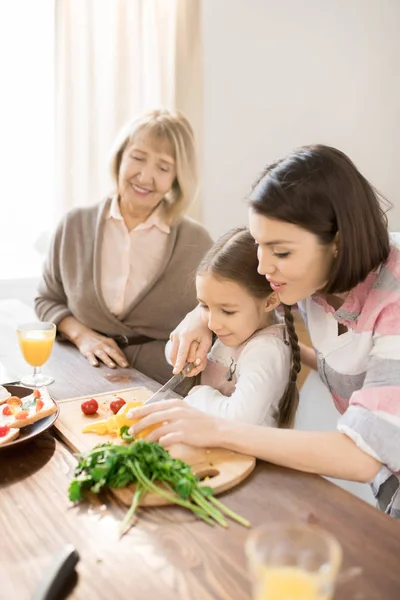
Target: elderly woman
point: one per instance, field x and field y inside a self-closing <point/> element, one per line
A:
<point x="119" y="274"/>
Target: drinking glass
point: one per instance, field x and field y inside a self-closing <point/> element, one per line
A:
<point x="292" y="562"/>
<point x="36" y="342"/>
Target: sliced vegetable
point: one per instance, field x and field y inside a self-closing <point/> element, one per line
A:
<point x="14" y="400"/>
<point x="99" y="427"/>
<point x="39" y="404"/>
<point x="21" y="415"/>
<point x="37" y="394"/>
<point x="123" y="433"/>
<point x="90" y="407"/>
<point x="7" y="412"/>
<point x="113" y="425"/>
<point x="4" y="430"/>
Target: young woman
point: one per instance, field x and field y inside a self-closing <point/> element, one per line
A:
<point x="250" y="376"/>
<point x="322" y="242"/>
<point x="111" y="266"/>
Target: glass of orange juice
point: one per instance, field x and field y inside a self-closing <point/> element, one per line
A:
<point x="293" y="562"/>
<point x="36" y="343"/>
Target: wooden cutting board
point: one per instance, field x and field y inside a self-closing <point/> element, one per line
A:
<point x="223" y="468"/>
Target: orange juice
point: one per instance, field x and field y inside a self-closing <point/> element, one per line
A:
<point x="288" y="583"/>
<point x="36" y="346"/>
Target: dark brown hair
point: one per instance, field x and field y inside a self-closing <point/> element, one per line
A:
<point x="319" y="189"/>
<point x="234" y="257"/>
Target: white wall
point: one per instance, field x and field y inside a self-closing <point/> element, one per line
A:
<point x="282" y="74"/>
<point x="27" y="134"/>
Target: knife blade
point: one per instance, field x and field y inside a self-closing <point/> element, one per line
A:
<point x="171" y="384"/>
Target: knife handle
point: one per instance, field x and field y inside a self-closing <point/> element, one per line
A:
<point x="187" y="368"/>
<point x="59" y="572"/>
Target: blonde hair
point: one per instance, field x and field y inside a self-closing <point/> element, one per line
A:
<point x="165" y="129"/>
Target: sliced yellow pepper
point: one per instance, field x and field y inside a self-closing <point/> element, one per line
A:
<point x="99" y="427"/>
<point x="112" y="426"/>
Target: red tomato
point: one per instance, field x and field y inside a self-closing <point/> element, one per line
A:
<point x="4" y="430"/>
<point x="7" y="412"/>
<point x="116" y="404"/>
<point x="39" y="404"/>
<point x="22" y="414"/>
<point x="36" y="394"/>
<point x="90" y="407"/>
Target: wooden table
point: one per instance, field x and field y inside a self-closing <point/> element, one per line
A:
<point x="168" y="554"/>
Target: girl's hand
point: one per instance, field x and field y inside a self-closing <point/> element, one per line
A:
<point x="95" y="346"/>
<point x="181" y="423"/>
<point x="191" y="341"/>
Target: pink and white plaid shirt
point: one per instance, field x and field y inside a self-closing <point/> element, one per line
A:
<point x="361" y="368"/>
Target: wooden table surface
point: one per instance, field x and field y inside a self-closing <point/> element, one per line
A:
<point x="168" y="554"/>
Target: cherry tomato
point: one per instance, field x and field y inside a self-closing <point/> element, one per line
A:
<point x="4" y="430"/>
<point x="22" y="414"/>
<point x="116" y="404"/>
<point x="39" y="404"/>
<point x="7" y="411"/>
<point x="90" y="407"/>
<point x="36" y="394"/>
<point x="14" y="400"/>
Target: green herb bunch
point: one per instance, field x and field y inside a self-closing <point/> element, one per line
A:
<point x="145" y="463"/>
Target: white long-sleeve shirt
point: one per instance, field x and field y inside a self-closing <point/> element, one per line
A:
<point x="259" y="374"/>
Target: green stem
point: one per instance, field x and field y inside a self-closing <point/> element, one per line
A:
<point x="211" y="510"/>
<point x="229" y="512"/>
<point x="149" y="485"/>
<point x="205" y="516"/>
<point x="126" y="523"/>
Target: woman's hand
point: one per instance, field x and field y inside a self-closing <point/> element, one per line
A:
<point x="181" y="423"/>
<point x="191" y="341"/>
<point x="91" y="344"/>
<point x="95" y="346"/>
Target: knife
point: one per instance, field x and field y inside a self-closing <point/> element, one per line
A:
<point x="171" y="384"/>
<point x="58" y="575"/>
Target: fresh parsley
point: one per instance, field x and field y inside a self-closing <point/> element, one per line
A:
<point x="28" y="404"/>
<point x="152" y="469"/>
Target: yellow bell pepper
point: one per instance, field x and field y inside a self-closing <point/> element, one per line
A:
<point x="112" y="426"/>
<point x="99" y="427"/>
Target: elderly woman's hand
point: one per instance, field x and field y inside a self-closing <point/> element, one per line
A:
<point x="91" y="344"/>
<point x="191" y="341"/>
<point x="181" y="423"/>
<point x="95" y="347"/>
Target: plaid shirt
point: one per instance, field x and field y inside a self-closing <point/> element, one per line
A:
<point x="361" y="368"/>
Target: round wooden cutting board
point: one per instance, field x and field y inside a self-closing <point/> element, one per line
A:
<point x="223" y="468"/>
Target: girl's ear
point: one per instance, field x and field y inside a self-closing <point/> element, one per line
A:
<point x="272" y="302"/>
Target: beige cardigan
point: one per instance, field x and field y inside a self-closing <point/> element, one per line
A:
<point x="71" y="285"/>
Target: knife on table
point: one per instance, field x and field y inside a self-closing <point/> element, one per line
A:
<point x="171" y="384"/>
<point x="58" y="575"/>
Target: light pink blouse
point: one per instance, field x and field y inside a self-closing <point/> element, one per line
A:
<point x="130" y="259"/>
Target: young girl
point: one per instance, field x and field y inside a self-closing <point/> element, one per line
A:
<point x="252" y="367"/>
